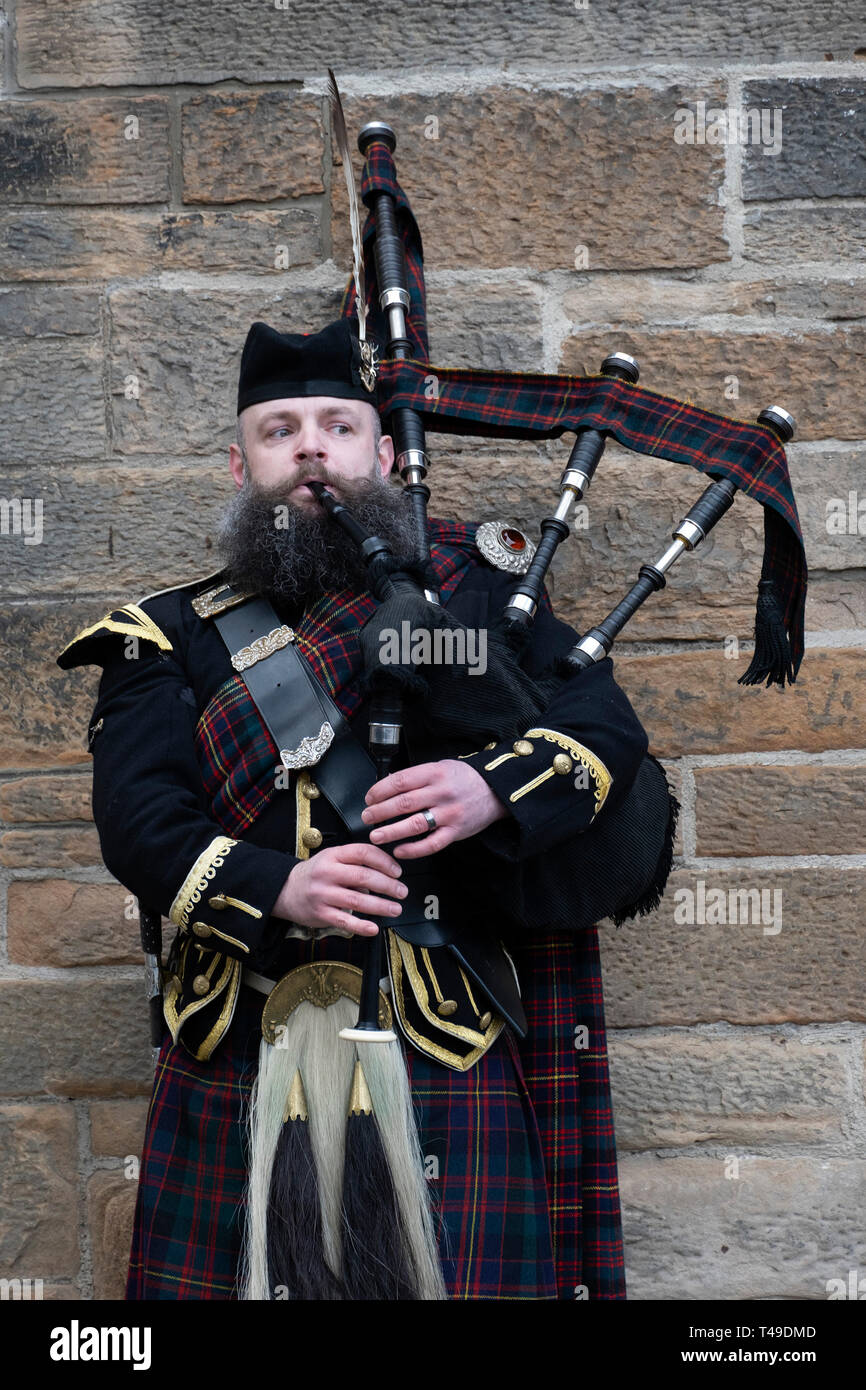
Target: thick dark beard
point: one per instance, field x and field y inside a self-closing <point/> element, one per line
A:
<point x="275" y="548"/>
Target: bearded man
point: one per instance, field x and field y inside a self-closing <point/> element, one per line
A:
<point x="255" y="853"/>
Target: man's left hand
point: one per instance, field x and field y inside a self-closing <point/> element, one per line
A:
<point x="458" y="797"/>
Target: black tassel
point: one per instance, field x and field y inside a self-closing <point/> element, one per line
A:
<point x="772" y="660"/>
<point x="374" y="1249"/>
<point x="652" y="895"/>
<point x="296" y="1258"/>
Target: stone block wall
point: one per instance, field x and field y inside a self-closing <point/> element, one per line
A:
<point x="684" y="183"/>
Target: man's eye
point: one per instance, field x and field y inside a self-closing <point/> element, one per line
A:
<point x="346" y="428"/>
<point x="280" y="429"/>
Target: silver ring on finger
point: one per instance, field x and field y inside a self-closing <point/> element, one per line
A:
<point x="430" y="819"/>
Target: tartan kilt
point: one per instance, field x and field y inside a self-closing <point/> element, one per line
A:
<point x="525" y="1192"/>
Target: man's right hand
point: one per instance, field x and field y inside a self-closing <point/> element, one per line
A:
<point x="324" y="890"/>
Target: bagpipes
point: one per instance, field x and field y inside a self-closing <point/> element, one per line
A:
<point x="639" y="830"/>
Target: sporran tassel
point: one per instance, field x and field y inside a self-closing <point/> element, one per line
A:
<point x="374" y="1256"/>
<point x="388" y="1081"/>
<point x="296" y="1265"/>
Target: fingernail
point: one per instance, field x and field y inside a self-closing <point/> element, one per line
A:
<point x="403" y="890"/>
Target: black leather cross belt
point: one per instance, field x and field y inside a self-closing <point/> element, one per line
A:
<point x="303" y="720"/>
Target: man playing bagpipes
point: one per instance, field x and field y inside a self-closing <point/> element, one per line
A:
<point x="385" y="1074"/>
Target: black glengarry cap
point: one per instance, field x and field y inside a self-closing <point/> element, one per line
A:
<point x="282" y="365"/>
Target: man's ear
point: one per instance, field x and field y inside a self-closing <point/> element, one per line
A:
<point x="236" y="464"/>
<point x="386" y="454"/>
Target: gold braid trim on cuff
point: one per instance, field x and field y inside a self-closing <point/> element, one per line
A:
<point x="203" y="870"/>
<point x="581" y="754"/>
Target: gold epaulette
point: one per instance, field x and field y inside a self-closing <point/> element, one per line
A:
<point x="128" y="621"/>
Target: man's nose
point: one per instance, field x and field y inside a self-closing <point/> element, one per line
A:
<point x="310" y="443"/>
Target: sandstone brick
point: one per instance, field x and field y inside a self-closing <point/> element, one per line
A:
<point x="690" y="703"/>
<point x="784" y="234"/>
<point x="754" y="1091"/>
<point x="71" y="1037"/>
<point x="780" y="810"/>
<point x="605" y="160"/>
<point x="280" y="134"/>
<point x="39" y="1217"/>
<point x="42" y="382"/>
<point x="184" y="347"/>
<point x="833" y="523"/>
<point x="819" y="377"/>
<point x="259" y="243"/>
<point x="110" y="1209"/>
<point x="836" y="601"/>
<point x="82" y="151"/>
<point x="823" y="139"/>
<point x="46" y="799"/>
<point x="117" y="1127"/>
<point x="780" y="1230"/>
<point x="118" y="41"/>
<point x="628" y="299"/>
<point x="49" y="849"/>
<point x="816" y="297"/>
<point x="660" y="970"/>
<point x="106" y="243"/>
<point x="125" y="532"/>
<point x="55" y="922"/>
<point x="43" y="721"/>
<point x="39" y="313"/>
<point x="485" y="326"/>
<point x="76" y="243"/>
